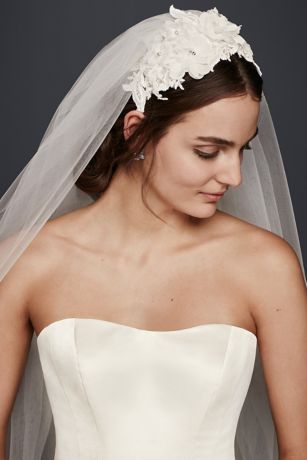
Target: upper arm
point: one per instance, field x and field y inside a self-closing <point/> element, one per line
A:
<point x="280" y="313"/>
<point x="15" y="336"/>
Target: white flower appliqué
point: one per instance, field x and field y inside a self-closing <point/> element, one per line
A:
<point x="188" y="42"/>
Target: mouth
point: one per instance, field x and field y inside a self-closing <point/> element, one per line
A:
<point x="213" y="196"/>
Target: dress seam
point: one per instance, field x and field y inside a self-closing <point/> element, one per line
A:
<point x="64" y="392"/>
<point x="220" y="377"/>
<point x="82" y="383"/>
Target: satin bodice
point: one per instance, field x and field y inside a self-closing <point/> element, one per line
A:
<point x="122" y="393"/>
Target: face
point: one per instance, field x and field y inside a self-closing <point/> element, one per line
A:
<point x="187" y="165"/>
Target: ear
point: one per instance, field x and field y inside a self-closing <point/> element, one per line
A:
<point x="131" y="121"/>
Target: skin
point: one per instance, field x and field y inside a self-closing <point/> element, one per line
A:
<point x="179" y="174"/>
<point x="169" y="274"/>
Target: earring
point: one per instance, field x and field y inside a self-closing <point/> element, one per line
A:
<point x="139" y="156"/>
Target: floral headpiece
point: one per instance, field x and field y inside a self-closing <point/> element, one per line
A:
<point x="189" y="42"/>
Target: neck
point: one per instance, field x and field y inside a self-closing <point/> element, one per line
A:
<point x="121" y="213"/>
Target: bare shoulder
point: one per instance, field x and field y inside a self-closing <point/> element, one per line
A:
<point x="269" y="255"/>
<point x="16" y="288"/>
<point x="274" y="277"/>
<point x="262" y="246"/>
<point x="277" y="297"/>
<point x="45" y="252"/>
<point x="264" y="255"/>
<point x="279" y="283"/>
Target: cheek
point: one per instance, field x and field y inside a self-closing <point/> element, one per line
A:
<point x="184" y="169"/>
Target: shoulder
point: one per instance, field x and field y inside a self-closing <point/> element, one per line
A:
<point x="262" y="246"/>
<point x="45" y="252"/>
<point x="17" y="285"/>
<point x="261" y="255"/>
<point x="56" y="239"/>
<point x="278" y="277"/>
<point x="268" y="269"/>
<point x="278" y="304"/>
<point x="272" y="257"/>
<point x="272" y="271"/>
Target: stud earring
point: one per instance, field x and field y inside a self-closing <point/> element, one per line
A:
<point x="139" y="156"/>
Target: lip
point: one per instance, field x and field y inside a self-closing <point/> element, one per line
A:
<point x="213" y="196"/>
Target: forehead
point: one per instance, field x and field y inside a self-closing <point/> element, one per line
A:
<point x="227" y="117"/>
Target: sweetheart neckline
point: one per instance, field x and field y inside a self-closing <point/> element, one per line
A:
<point x="144" y="331"/>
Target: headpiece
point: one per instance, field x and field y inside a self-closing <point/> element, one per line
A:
<point x="190" y="43"/>
<point x="147" y="58"/>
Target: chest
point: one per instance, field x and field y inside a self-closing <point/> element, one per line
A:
<point x="171" y="292"/>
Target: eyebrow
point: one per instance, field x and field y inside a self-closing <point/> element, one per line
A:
<point x="220" y="141"/>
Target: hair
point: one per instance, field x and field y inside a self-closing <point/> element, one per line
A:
<point x="230" y="78"/>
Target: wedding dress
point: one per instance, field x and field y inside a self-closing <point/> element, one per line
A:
<point x="122" y="393"/>
<point x="117" y="392"/>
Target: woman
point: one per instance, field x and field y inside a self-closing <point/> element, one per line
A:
<point x="148" y="302"/>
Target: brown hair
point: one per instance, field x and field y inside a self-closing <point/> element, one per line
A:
<point x="229" y="78"/>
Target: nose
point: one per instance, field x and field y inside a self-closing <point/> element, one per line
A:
<point x="230" y="172"/>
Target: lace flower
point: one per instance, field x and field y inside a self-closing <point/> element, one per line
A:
<point x="188" y="42"/>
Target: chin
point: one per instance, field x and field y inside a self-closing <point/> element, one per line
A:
<point x="204" y="211"/>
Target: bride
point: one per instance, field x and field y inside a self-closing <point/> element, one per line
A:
<point x="147" y="299"/>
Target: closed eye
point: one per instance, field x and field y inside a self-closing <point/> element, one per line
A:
<point x="207" y="155"/>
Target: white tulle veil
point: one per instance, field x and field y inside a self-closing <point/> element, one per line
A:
<point x="46" y="188"/>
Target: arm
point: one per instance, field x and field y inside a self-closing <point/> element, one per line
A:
<point x="280" y="313"/>
<point x="15" y="338"/>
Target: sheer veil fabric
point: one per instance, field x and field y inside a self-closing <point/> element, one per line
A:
<point x="46" y="188"/>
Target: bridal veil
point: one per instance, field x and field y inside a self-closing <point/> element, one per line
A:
<point x="46" y="188"/>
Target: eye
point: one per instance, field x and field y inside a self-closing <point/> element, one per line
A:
<point x="205" y="155"/>
<point x="208" y="156"/>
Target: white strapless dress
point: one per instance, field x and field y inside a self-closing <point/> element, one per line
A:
<point x="123" y="393"/>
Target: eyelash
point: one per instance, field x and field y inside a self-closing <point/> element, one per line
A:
<point x="208" y="156"/>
